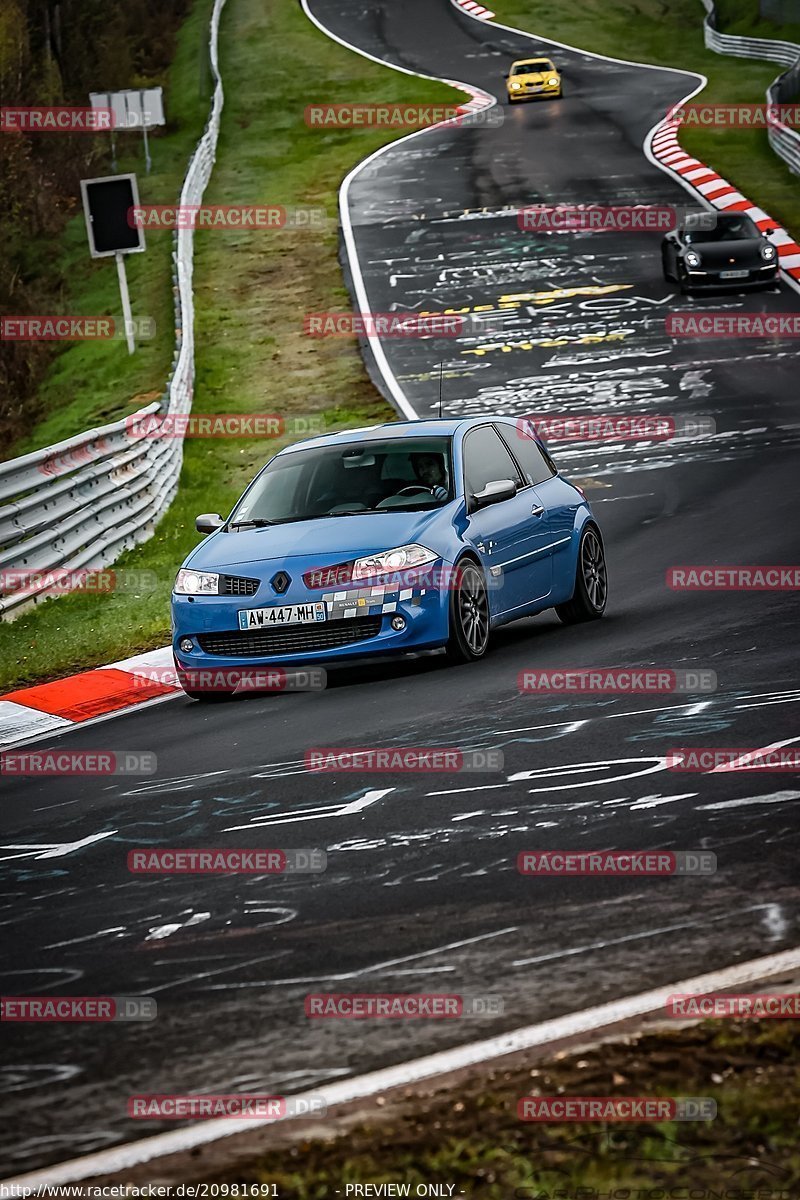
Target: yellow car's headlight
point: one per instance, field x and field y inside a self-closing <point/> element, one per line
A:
<point x="516" y="85"/>
<point x="553" y="82"/>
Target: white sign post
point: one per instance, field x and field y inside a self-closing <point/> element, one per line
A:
<point x="127" y="315"/>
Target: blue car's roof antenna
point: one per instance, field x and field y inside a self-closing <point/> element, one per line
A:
<point x="441" y="366"/>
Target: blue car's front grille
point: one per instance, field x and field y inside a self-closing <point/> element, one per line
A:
<point x="237" y="585"/>
<point x="291" y="639"/>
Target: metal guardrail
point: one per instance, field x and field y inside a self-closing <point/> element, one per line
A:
<point x="81" y="503"/>
<point x="784" y="140"/>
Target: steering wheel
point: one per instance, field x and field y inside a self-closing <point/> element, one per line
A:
<point x="413" y="487"/>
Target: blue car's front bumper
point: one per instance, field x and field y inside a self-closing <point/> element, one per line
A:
<point x="211" y="622"/>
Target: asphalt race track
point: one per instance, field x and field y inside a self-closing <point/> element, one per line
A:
<point x="421" y="891"/>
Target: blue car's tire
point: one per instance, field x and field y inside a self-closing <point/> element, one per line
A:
<point x="588" y="601"/>
<point x="469" y="614"/>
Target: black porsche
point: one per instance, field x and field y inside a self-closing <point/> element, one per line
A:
<point x="731" y="251"/>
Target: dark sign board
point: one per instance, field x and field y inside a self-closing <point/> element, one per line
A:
<point x="107" y="205"/>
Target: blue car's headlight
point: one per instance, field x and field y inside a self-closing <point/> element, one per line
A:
<point x="399" y="559"/>
<point x="196" y="583"/>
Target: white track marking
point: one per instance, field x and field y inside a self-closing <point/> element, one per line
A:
<point x="587" y="1022"/>
<point x="53" y="849"/>
<point x="752" y="756"/>
<point x="236" y="966"/>
<point x="746" y="801"/>
<point x="159" y="932"/>
<point x="375" y="968"/>
<point x="643" y="935"/>
<point x="555" y="772"/>
<point x="655" y="801"/>
<point x="89" y="937"/>
<point x="316" y="814"/>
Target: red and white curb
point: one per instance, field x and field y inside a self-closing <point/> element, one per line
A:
<point x="479" y="101"/>
<point x="53" y="707"/>
<point x="475" y="10"/>
<point x="716" y="191"/>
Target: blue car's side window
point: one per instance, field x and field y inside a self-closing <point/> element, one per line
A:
<point x="535" y="467"/>
<point x="486" y="459"/>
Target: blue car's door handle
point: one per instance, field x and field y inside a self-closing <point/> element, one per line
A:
<point x="537" y="510"/>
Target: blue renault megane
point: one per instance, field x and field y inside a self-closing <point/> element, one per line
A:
<point x="402" y="537"/>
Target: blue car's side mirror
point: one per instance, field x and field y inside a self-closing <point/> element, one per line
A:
<point x="494" y="492"/>
<point x="208" y="522"/>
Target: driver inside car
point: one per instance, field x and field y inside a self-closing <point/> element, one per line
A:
<point x="431" y="472"/>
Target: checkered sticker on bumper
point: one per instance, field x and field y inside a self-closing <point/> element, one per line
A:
<point x="370" y="601"/>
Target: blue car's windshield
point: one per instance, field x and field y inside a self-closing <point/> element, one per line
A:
<point x="354" y="477"/>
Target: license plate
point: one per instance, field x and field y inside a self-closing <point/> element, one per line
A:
<point x="733" y="274"/>
<point x="283" y="614"/>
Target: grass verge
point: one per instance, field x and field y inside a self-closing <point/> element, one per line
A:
<point x="252" y="290"/>
<point x="671" y="35"/>
<point x="470" y="1137"/>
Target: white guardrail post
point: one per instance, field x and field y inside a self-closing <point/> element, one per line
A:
<point x="784" y="140"/>
<point x="80" y="503"/>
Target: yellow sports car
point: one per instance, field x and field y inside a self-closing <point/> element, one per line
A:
<point x="533" y="77"/>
